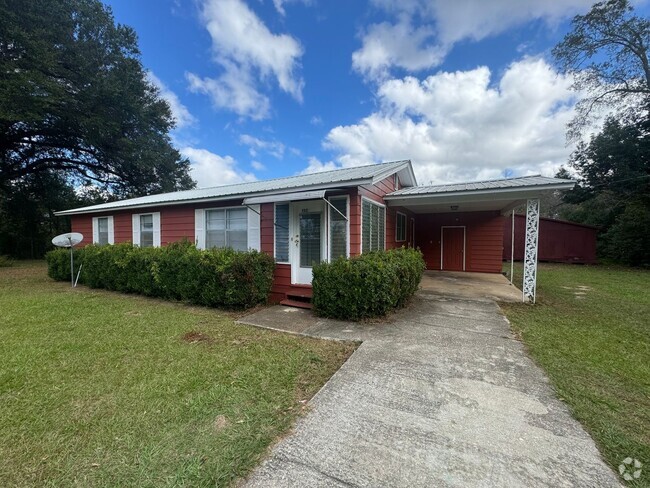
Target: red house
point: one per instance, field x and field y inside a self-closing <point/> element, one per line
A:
<point x="302" y="220"/>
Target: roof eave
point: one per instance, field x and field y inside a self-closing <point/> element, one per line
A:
<point x="236" y="196"/>
<point x="485" y="191"/>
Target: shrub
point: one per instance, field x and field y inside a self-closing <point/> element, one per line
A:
<point x="58" y="263"/>
<point x="179" y="271"/>
<point x="369" y="285"/>
<point x="5" y="261"/>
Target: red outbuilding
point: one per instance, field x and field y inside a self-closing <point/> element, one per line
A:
<point x="560" y="241"/>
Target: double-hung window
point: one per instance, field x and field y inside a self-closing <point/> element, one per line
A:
<point x="103" y="230"/>
<point x="338" y="227"/>
<point x="400" y="230"/>
<point x="146" y="229"/>
<point x="227" y="227"/>
<point x="373" y="225"/>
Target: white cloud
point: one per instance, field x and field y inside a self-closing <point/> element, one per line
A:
<point x="181" y="114"/>
<point x="462" y="125"/>
<point x="274" y="148"/>
<point x="248" y="52"/>
<point x="279" y="5"/>
<point x="422" y="32"/>
<point x="399" y="44"/>
<point x="317" y="166"/>
<point x="234" y="90"/>
<point x="316" y="120"/>
<point x="258" y="166"/>
<point x="210" y="169"/>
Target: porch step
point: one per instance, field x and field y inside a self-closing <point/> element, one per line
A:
<point x="296" y="303"/>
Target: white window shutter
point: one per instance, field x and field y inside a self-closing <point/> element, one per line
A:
<point x="95" y="231"/>
<point x="111" y="230"/>
<point x="199" y="228"/>
<point x="156" y="229"/>
<point x="254" y="227"/>
<point x="136" y="229"/>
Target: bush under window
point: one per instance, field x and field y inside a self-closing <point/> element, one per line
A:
<point x="179" y="271"/>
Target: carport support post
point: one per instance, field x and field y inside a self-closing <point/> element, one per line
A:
<point x="530" y="251"/>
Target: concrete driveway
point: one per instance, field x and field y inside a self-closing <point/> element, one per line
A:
<point x="439" y="395"/>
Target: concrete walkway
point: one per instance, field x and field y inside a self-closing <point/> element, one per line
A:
<point x="440" y="395"/>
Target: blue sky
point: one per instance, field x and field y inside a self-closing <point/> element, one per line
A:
<point x="466" y="89"/>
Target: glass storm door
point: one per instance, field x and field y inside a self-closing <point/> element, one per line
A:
<point x="306" y="239"/>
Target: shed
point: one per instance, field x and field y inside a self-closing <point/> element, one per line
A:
<point x="560" y="241"/>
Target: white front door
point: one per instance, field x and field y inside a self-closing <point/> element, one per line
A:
<point x="306" y="239"/>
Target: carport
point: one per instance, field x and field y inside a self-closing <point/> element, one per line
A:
<point x="459" y="227"/>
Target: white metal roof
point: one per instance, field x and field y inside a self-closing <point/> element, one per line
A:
<point x="523" y="182"/>
<point x="326" y="179"/>
<point x="503" y="195"/>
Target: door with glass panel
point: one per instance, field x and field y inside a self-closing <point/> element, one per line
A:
<point x="306" y="239"/>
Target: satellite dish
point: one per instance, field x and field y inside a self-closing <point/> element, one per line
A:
<point x="69" y="239"/>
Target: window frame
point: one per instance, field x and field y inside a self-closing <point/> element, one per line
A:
<point x="275" y="206"/>
<point x="110" y="230"/>
<point x="225" y="220"/>
<point x="397" y="218"/>
<point x="381" y="205"/>
<point x="157" y="229"/>
<point x="153" y="229"/>
<point x="329" y="225"/>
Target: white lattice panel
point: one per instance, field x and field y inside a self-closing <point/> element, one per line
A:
<point x="530" y="251"/>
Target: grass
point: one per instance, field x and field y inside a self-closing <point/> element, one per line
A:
<point x="590" y="331"/>
<point x="103" y="389"/>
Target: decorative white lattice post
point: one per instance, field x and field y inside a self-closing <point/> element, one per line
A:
<point x="530" y="251"/>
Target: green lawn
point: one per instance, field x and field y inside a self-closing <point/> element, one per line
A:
<point x="590" y="331"/>
<point x="103" y="389"/>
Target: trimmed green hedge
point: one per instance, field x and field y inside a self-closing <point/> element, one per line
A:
<point x="370" y="285"/>
<point x="179" y="271"/>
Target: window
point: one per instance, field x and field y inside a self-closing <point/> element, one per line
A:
<point x="146" y="230"/>
<point x="338" y="227"/>
<point x="373" y="224"/>
<point x="103" y="230"/>
<point x="282" y="233"/>
<point x="227" y="227"/>
<point x="400" y="231"/>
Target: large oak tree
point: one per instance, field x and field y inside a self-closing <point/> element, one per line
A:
<point x="75" y="102"/>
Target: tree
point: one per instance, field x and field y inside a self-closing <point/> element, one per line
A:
<point x="607" y="54"/>
<point x="614" y="190"/>
<point x="75" y="102"/>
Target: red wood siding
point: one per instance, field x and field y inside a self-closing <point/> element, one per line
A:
<point x="176" y="224"/>
<point x="83" y="224"/>
<point x="267" y="230"/>
<point x="484" y="238"/>
<point x="559" y="241"/>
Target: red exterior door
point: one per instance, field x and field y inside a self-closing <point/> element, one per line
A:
<point x="453" y="248"/>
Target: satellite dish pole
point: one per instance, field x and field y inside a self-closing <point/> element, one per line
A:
<point x="69" y="239"/>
